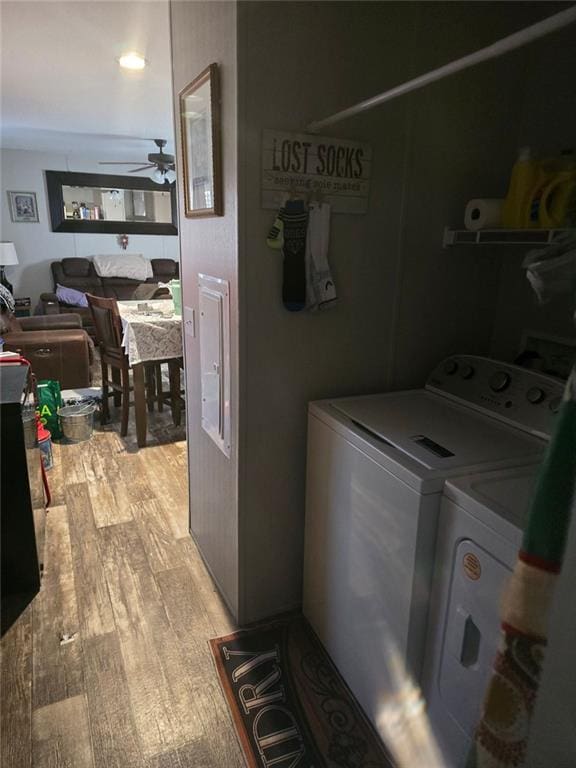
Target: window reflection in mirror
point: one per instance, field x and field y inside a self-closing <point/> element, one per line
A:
<point x="109" y="204"/>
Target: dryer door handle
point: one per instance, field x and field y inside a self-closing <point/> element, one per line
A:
<point x="467" y="638"/>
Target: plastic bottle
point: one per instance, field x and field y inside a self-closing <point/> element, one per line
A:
<point x="522" y="182"/>
<point x="176" y="291"/>
<point x="45" y="445"/>
<point x="558" y="199"/>
<point x="551" y="173"/>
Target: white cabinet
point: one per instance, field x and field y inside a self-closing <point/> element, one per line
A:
<point x="214" y="332"/>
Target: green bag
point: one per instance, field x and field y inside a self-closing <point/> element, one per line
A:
<point x="49" y="400"/>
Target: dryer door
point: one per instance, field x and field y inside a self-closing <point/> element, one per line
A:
<point x="472" y="631"/>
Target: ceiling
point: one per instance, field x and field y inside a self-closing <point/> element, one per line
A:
<point x="61" y="88"/>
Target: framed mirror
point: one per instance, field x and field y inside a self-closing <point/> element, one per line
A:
<point x="201" y="153"/>
<point x="98" y="202"/>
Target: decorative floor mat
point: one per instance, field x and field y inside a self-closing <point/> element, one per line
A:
<point x="290" y="706"/>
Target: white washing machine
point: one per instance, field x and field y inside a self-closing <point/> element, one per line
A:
<point x="480" y="527"/>
<point x="375" y="472"/>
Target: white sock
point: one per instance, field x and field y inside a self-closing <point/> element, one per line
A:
<point x="319" y="236"/>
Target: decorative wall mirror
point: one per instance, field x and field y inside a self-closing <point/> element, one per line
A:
<point x="98" y="202"/>
<point x="201" y="153"/>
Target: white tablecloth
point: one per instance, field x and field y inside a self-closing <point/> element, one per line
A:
<point x="149" y="335"/>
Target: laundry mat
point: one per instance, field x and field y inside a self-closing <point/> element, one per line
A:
<point x="290" y="707"/>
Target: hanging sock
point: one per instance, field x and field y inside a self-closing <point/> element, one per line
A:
<point x="295" y="218"/>
<point x="275" y="237"/>
<point x="321" y="290"/>
<point x="289" y="233"/>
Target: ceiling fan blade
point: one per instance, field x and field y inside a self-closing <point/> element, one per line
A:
<point x="143" y="168"/>
<point x="119" y="162"/>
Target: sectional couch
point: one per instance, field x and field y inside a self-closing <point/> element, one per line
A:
<point x="79" y="273"/>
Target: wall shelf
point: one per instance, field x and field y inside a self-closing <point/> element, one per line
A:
<point x="502" y="236"/>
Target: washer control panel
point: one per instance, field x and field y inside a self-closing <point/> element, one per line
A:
<point x="521" y="397"/>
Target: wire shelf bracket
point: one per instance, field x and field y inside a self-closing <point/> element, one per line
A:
<point x="453" y="237"/>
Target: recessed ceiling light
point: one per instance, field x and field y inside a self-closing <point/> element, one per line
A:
<point x="132" y="60"/>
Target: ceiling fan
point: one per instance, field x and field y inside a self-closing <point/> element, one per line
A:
<point x="163" y="162"/>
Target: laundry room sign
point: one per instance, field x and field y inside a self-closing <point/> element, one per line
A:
<point x="298" y="163"/>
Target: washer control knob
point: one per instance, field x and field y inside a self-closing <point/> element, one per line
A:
<point x="467" y="371"/>
<point x="450" y="367"/>
<point x="555" y="404"/>
<point x="499" y="381"/>
<point x="535" y="395"/>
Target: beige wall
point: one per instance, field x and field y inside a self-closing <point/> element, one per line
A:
<point x="203" y="33"/>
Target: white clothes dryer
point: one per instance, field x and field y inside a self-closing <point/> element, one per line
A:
<point x="480" y="527"/>
<point x="376" y="467"/>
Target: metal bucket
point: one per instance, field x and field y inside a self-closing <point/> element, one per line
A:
<point x="30" y="430"/>
<point x="77" y="421"/>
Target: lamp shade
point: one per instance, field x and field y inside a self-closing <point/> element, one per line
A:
<point x="8" y="255"/>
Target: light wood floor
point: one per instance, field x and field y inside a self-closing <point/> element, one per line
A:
<point x="135" y="686"/>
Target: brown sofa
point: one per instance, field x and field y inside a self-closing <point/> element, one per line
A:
<point x="79" y="273"/>
<point x="56" y="346"/>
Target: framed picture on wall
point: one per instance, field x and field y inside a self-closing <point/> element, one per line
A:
<point x="201" y="153"/>
<point x="23" y="206"/>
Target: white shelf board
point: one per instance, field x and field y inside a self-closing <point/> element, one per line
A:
<point x="502" y="236"/>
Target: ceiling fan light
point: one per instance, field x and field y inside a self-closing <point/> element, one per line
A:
<point x="162" y="175"/>
<point x="132" y="60"/>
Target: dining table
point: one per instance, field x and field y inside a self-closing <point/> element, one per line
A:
<point x="151" y="333"/>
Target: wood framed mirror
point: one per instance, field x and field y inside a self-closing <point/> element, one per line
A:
<point x="201" y="149"/>
<point x="107" y="204"/>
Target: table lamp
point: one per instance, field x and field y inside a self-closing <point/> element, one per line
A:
<point x="8" y="258"/>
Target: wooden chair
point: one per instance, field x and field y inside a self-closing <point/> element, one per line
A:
<point x="108" y="330"/>
<point x="177" y="401"/>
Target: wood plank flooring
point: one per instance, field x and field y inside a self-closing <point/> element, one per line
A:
<point x="109" y="667"/>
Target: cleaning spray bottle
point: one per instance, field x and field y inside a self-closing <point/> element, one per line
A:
<point x="522" y="182"/>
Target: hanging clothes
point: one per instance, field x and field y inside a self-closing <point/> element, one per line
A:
<point x="320" y="287"/>
<point x="302" y="234"/>
<point x="288" y="234"/>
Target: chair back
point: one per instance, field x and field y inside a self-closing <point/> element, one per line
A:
<point x="107" y="324"/>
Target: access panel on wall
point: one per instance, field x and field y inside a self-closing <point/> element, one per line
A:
<point x="295" y="164"/>
<point x="214" y="332"/>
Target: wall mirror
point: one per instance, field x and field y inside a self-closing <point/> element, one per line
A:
<point x="200" y="123"/>
<point x="97" y="202"/>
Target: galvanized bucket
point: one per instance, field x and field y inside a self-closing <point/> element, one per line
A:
<point x="77" y="421"/>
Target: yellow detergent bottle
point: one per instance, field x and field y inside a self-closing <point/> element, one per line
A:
<point x="522" y="182"/>
<point x="558" y="201"/>
<point x="551" y="174"/>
